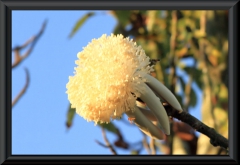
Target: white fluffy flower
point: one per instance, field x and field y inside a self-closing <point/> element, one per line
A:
<point x="112" y="73"/>
<point x="108" y="77"/>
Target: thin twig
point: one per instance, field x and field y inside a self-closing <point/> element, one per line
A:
<point x="152" y="146"/>
<point x="215" y="138"/>
<point x="24" y="88"/>
<point x="18" y="58"/>
<point x="101" y="144"/>
<point x="145" y="144"/>
<point x="108" y="145"/>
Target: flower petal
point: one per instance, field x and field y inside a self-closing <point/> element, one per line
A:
<point x="156" y="107"/>
<point x="145" y="125"/>
<point x="147" y="113"/>
<point x="163" y="92"/>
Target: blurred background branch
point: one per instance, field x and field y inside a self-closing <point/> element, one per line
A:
<point x="108" y="145"/>
<point x="18" y="58"/>
<point x="24" y="88"/>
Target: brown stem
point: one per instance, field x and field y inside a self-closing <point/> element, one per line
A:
<point x="108" y="145"/>
<point x="23" y="90"/>
<point x="215" y="138"/>
<point x="33" y="40"/>
<point x="145" y="144"/>
<point x="101" y="144"/>
<point x="152" y="146"/>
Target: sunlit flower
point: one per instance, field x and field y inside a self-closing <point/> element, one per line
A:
<point x="108" y="77"/>
<point x="111" y="73"/>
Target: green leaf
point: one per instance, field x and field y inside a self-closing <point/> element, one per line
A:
<point x="80" y="22"/>
<point x="182" y="83"/>
<point x="195" y="42"/>
<point x="134" y="152"/>
<point x="109" y="127"/>
<point x="193" y="98"/>
<point x="119" y="29"/>
<point x="179" y="98"/>
<point x="70" y="115"/>
<point x="123" y="16"/>
<point x="196" y="75"/>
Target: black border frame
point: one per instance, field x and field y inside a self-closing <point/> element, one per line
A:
<point x="6" y="6"/>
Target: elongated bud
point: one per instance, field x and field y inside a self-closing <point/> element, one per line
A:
<point x="145" y="125"/>
<point x="163" y="92"/>
<point x="156" y="107"/>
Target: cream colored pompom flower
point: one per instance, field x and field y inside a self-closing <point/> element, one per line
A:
<point x="112" y="73"/>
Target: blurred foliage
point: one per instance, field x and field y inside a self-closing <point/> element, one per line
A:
<point x="70" y="115"/>
<point x="177" y="37"/>
<point x="109" y="127"/>
<point x="80" y="22"/>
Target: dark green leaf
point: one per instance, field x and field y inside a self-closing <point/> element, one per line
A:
<point x="196" y="75"/>
<point x="193" y="98"/>
<point x="80" y="22"/>
<point x="109" y="127"/>
<point x="188" y="29"/>
<point x="182" y="83"/>
<point x="70" y="115"/>
<point x="179" y="98"/>
<point x="119" y="29"/>
<point x="123" y="17"/>
<point x="195" y="42"/>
